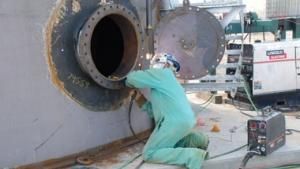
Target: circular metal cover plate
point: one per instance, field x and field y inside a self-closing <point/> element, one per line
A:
<point x="195" y="37"/>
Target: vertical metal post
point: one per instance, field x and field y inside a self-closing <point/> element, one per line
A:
<point x="149" y="15"/>
<point x="149" y="26"/>
<point x="296" y="28"/>
<point x="264" y="36"/>
<point x="250" y="33"/>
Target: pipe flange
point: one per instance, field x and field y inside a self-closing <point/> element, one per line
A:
<point x="68" y="18"/>
<point x="85" y="56"/>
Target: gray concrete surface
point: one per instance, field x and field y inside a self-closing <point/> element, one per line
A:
<point x="228" y="118"/>
<point x="37" y="122"/>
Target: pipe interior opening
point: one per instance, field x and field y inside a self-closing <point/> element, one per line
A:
<point x="114" y="46"/>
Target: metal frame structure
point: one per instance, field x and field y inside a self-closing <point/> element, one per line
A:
<point x="224" y="82"/>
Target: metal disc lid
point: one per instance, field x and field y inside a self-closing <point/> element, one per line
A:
<point x="195" y="37"/>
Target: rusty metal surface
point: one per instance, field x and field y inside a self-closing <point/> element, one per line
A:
<point x="100" y="154"/>
<point x="133" y="55"/>
<point x="61" y="34"/>
<point x="195" y="37"/>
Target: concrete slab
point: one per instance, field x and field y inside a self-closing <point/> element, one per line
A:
<point x="232" y="135"/>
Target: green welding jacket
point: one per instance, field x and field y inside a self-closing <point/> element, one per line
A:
<point x="172" y="141"/>
<point x="167" y="95"/>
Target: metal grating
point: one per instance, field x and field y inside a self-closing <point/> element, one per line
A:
<point x="218" y="3"/>
<point x="282" y="8"/>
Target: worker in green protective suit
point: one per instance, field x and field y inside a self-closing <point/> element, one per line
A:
<point x="172" y="141"/>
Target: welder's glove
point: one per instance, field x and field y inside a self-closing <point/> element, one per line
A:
<point x="141" y="100"/>
<point x="139" y="97"/>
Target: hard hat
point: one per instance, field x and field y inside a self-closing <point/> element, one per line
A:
<point x="162" y="58"/>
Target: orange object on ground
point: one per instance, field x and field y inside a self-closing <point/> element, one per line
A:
<point x="216" y="128"/>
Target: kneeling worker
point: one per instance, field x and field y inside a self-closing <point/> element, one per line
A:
<point x="172" y="141"/>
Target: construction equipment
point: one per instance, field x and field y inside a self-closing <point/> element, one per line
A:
<point x="264" y="67"/>
<point x="266" y="133"/>
<point x="273" y="62"/>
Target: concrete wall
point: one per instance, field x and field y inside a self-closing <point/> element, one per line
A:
<point x="37" y="121"/>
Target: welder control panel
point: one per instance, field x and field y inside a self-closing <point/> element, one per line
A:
<point x="266" y="133"/>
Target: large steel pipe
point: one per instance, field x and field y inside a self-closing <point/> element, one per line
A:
<point x="109" y="45"/>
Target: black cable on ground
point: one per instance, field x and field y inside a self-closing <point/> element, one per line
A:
<point x="131" y="128"/>
<point x="207" y="104"/>
<point x="290" y="131"/>
<point x="129" y="118"/>
<point x="247" y="157"/>
<point x="139" y="166"/>
<point x="242" y="112"/>
<point x="208" y="100"/>
<point x="229" y="152"/>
